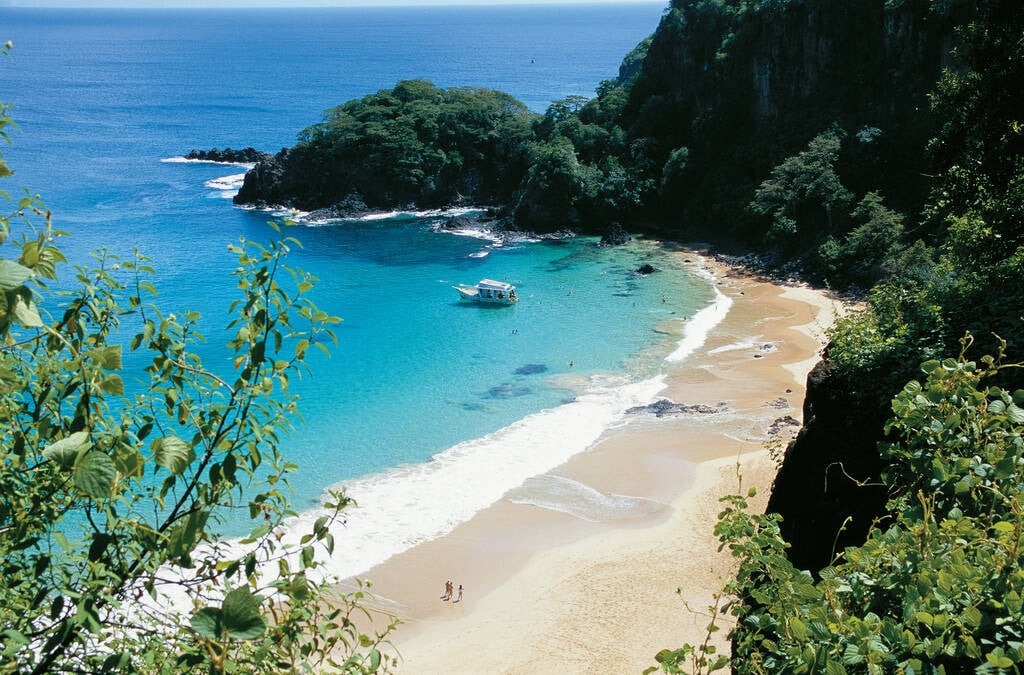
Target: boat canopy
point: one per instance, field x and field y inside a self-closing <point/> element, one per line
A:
<point x="492" y="285"/>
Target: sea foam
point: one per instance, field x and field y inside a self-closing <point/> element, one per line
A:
<point x="410" y="504"/>
<point x="559" y="493"/>
<point x="186" y="160"/>
<point x="228" y="186"/>
<point x="700" y="326"/>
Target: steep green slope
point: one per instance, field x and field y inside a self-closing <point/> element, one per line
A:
<point x="742" y="85"/>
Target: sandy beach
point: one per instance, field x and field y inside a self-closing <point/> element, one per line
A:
<point x="550" y="592"/>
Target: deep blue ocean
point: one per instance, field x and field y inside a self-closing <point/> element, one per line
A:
<point x="422" y="391"/>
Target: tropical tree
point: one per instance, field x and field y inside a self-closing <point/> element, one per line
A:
<point x="802" y="186"/>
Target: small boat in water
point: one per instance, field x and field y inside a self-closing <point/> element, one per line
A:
<point x="488" y="291"/>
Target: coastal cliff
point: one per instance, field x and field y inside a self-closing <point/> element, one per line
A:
<point x="742" y="86"/>
<point x="828" y="488"/>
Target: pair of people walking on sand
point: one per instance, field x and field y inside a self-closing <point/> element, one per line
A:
<point x="449" y="591"/>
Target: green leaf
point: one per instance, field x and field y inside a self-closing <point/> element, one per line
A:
<point x="66" y="450"/>
<point x="113" y="385"/>
<point x="972" y="617"/>
<point x="998" y="659"/>
<point x="1015" y="413"/>
<point x="130" y="463"/>
<point x="94" y="474"/>
<point x="799" y="630"/>
<point x="13" y="275"/>
<point x="25" y="312"/>
<point x="173" y="454"/>
<point x="241" y="615"/>
<point x="109" y="357"/>
<point x="207" y="622"/>
<point x="833" y="668"/>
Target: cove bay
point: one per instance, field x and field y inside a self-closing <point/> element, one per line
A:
<point x="423" y="394"/>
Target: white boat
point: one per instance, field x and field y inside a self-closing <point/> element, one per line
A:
<point x="489" y="291"/>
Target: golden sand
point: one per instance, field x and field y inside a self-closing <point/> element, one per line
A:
<point x="547" y="592"/>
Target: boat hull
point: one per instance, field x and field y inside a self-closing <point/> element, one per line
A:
<point x="473" y="294"/>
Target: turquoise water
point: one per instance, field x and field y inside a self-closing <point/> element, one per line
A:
<point x="422" y="388"/>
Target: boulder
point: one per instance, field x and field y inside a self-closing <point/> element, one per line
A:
<point x="646" y="269"/>
<point x="665" y="408"/>
<point x="615" y="236"/>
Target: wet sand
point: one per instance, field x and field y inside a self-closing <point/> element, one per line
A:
<point x="550" y="592"/>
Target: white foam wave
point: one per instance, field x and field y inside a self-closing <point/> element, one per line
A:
<point x="735" y="346"/>
<point x="582" y="501"/>
<point x="404" y="506"/>
<point x="700" y="326"/>
<point x="228" y="186"/>
<point x="186" y="160"/>
<point x="495" y="238"/>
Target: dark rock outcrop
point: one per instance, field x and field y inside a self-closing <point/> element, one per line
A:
<point x="646" y="269"/>
<point x="828" y="489"/>
<point x="615" y="236"/>
<point x="264" y="182"/>
<point x="247" y="155"/>
<point x="458" y="223"/>
<point x="352" y="206"/>
<point x="781" y="424"/>
<point x="665" y="408"/>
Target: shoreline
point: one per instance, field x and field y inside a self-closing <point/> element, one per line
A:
<point x="546" y="591"/>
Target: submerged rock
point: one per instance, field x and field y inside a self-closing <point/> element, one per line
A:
<point x="508" y="390"/>
<point x="646" y="269"/>
<point x="531" y="369"/>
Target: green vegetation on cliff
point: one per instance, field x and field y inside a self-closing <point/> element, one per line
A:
<point x="927" y="579"/>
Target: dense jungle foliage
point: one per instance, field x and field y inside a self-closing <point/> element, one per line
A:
<point x="413" y="144"/>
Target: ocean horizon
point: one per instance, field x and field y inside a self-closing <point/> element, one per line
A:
<point x="429" y="409"/>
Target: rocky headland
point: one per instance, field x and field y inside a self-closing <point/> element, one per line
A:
<point x="247" y="155"/>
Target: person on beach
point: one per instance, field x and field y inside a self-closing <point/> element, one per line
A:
<point x="448" y="590"/>
<point x="460" y="594"/>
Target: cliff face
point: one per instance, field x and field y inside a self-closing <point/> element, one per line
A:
<point x="828" y="489"/>
<point x="743" y="88"/>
